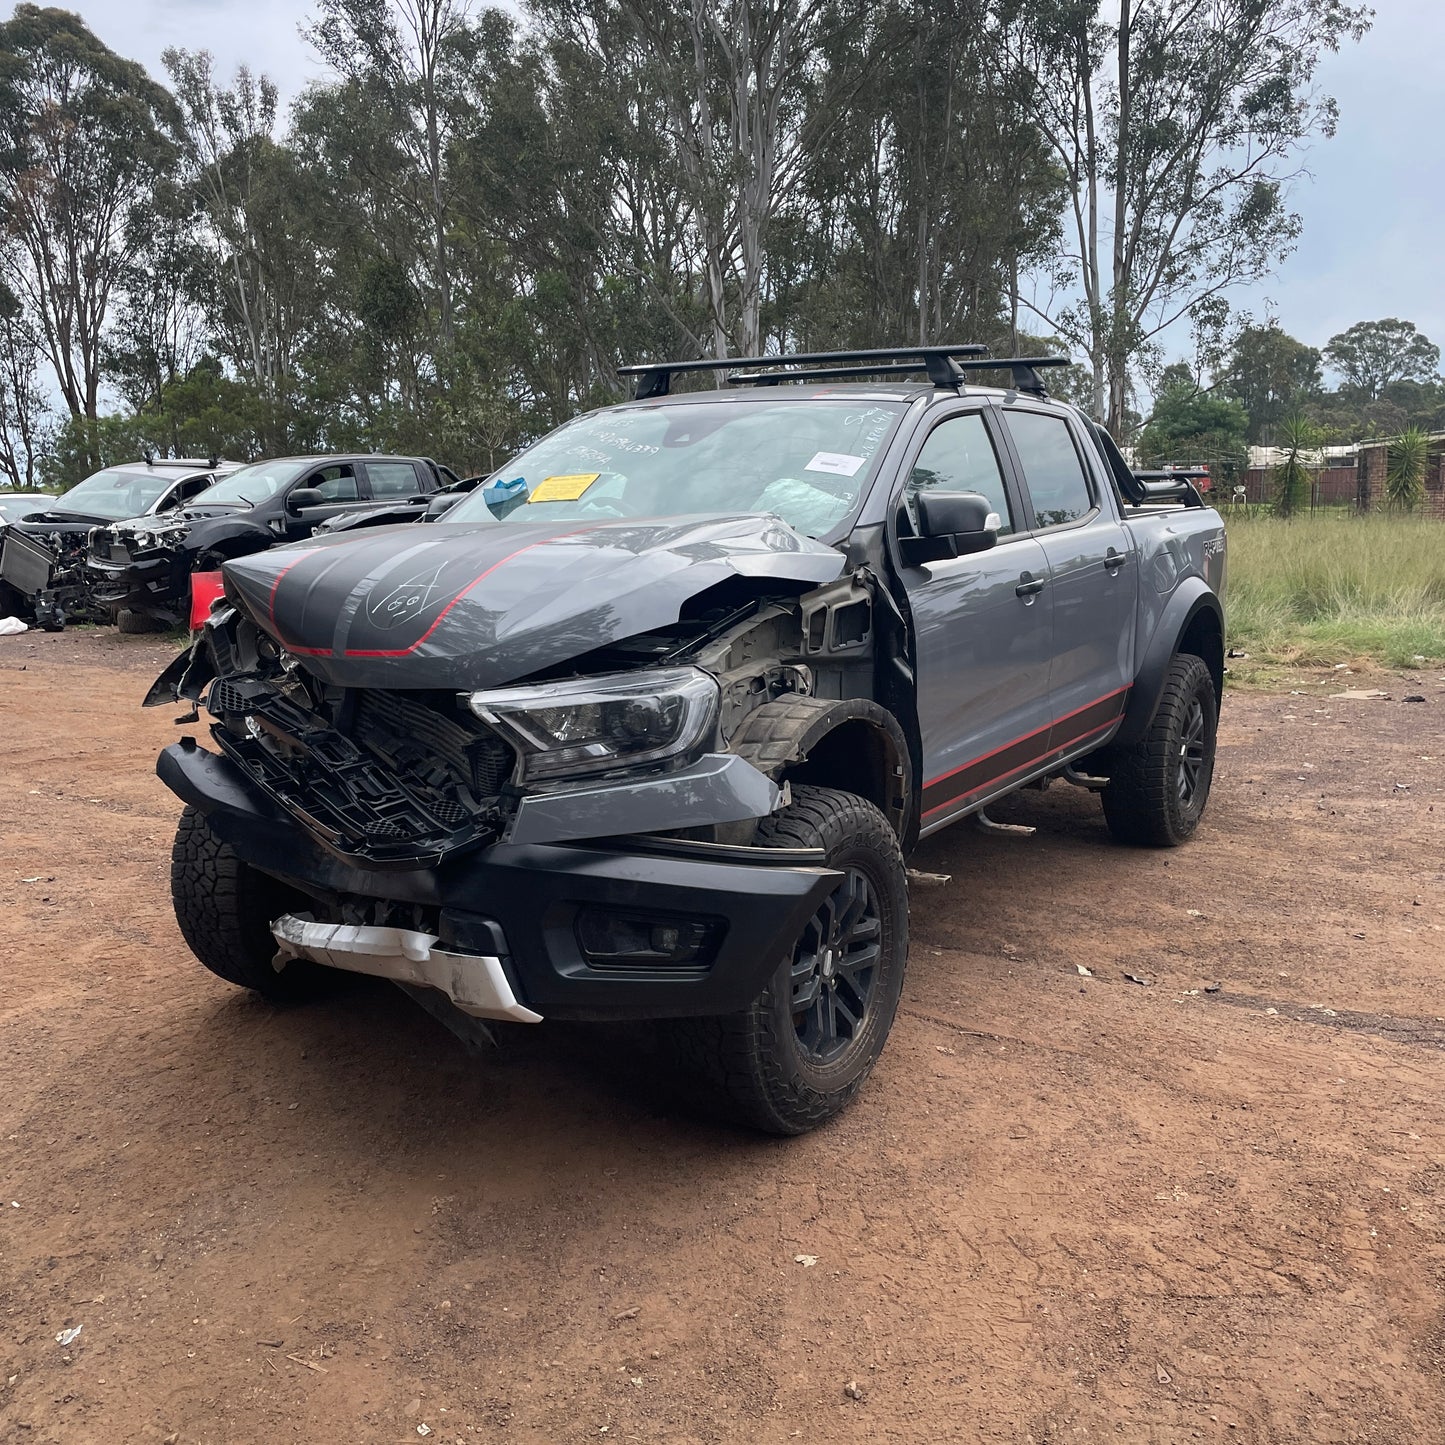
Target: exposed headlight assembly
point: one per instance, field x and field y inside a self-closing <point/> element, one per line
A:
<point x="596" y="724"/>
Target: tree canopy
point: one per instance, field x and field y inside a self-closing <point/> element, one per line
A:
<point x="458" y="232"/>
<point x="1372" y="355"/>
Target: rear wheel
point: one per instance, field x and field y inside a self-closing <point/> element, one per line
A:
<point x="802" y="1050"/>
<point x="1159" y="787"/>
<point x="224" y="908"/>
<point x="129" y="621"/>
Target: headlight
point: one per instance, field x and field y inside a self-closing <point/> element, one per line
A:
<point x="593" y="724"/>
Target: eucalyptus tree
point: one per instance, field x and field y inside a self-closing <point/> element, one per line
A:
<point x="85" y="137"/>
<point x="1180" y="127"/>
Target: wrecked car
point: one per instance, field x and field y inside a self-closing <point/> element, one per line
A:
<point x="653" y="739"/>
<point x="43" y="555"/>
<point x="16" y="506"/>
<point x="143" y="567"/>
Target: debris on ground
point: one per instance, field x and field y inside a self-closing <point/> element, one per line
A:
<point x="69" y="1337"/>
<point x="806" y="1260"/>
<point x="1163" y="1375"/>
<point x="853" y="1390"/>
<point x="1360" y="694"/>
<point x="1084" y="972"/>
<point x="12" y="627"/>
<point x="1135" y="978"/>
<point x="1212" y="987"/>
<point x="1414" y="697"/>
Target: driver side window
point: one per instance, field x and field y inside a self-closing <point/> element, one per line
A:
<point x="336" y="484"/>
<point x="959" y="457"/>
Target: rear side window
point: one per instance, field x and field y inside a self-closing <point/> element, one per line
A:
<point x="959" y="457"/>
<point x="1058" y="489"/>
<point x="393" y="479"/>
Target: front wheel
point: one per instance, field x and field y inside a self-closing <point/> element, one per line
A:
<point x="802" y="1050"/>
<point x="1158" y="788"/>
<point x="224" y="908"/>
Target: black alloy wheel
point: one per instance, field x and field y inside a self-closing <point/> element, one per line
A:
<point x="1192" y="743"/>
<point x="835" y="968"/>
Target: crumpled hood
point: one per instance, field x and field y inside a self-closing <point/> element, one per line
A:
<point x="456" y="605"/>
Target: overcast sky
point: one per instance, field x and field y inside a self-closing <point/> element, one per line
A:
<point x="1373" y="205"/>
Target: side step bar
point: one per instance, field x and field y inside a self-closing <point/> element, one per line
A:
<point x="475" y="982"/>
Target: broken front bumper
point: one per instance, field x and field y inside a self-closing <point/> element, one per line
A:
<point x="155" y="584"/>
<point x="622" y="928"/>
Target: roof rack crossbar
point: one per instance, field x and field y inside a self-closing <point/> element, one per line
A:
<point x="945" y="366"/>
<point x="655" y="378"/>
<point x="827" y="373"/>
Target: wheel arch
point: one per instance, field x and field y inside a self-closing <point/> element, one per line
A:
<point x="853" y="745"/>
<point x="1193" y="622"/>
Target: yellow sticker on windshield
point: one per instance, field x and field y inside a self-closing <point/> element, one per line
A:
<point x="563" y="489"/>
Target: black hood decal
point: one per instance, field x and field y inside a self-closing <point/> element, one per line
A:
<point x="481" y="604"/>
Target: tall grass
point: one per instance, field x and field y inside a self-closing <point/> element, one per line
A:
<point x="1324" y="589"/>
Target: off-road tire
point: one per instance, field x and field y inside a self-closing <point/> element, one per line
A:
<point x="131" y="622"/>
<point x="225" y="907"/>
<point x="1144" y="803"/>
<point x="750" y="1067"/>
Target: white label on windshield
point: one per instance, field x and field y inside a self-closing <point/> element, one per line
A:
<point x="839" y="464"/>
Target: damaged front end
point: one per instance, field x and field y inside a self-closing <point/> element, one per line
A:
<point x="46" y="566"/>
<point x="584" y="820"/>
<point x="141" y="568"/>
<point x="386" y="778"/>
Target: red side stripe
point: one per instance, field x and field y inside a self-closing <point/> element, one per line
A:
<point x="1044" y="750"/>
<point x="1004" y="747"/>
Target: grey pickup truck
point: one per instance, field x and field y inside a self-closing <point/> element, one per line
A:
<point x="646" y="726"/>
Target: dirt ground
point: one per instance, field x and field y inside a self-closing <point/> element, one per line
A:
<point x="1066" y="1208"/>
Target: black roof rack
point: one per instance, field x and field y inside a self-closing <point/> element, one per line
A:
<point x="945" y="366"/>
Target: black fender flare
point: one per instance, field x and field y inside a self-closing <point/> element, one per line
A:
<point x="1194" y="608"/>
<point x="780" y="737"/>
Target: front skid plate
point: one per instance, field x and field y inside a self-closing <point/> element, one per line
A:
<point x="475" y="982"/>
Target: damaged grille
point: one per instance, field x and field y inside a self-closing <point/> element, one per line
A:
<point x="406" y="730"/>
<point x="400" y="782"/>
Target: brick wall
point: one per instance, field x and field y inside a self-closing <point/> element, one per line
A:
<point x="1373" y="462"/>
<point x="1362" y="486"/>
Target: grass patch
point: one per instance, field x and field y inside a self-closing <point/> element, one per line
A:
<point x="1321" y="590"/>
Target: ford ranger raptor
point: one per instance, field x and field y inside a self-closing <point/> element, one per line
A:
<point x="646" y="727"/>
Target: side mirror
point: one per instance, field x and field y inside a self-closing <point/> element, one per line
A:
<point x="951" y="524"/>
<point x="442" y="502"/>
<point x="305" y="497"/>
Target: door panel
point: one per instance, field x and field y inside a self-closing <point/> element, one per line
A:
<point x="983" y="663"/>
<point x="1092" y="576"/>
<point x="982" y="632"/>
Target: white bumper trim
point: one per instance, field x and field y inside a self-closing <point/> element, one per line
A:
<point x="475" y="982"/>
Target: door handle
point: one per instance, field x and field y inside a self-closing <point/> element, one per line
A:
<point x="1029" y="585"/>
<point x="1113" y="559"/>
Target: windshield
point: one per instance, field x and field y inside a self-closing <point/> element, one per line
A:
<point x="806" y="461"/>
<point x="250" y="485"/>
<point x="116" y="494"/>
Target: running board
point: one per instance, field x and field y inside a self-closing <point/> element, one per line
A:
<point x="984" y="823"/>
<point x="1085" y="780"/>
<point x="475" y="982"/>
